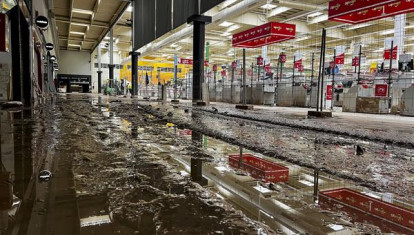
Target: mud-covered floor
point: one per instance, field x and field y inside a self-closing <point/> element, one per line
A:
<point x="120" y="167"/>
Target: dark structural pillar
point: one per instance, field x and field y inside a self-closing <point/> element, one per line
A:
<point x="111" y="65"/>
<point x="244" y="105"/>
<point x="199" y="22"/>
<point x="99" y="82"/>
<point x="99" y="70"/>
<point x="134" y="72"/>
<point x="319" y="106"/>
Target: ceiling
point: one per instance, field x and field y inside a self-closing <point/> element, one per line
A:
<point x="309" y="16"/>
<point x="83" y="23"/>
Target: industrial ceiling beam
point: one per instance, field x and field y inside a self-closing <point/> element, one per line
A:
<point x="123" y="7"/>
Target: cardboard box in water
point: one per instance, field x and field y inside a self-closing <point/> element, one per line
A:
<point x="361" y="207"/>
<point x="259" y="168"/>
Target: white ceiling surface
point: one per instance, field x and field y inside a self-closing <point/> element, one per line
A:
<point x="233" y="16"/>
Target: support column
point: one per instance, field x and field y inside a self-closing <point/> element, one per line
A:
<point x="111" y="59"/>
<point x="199" y="22"/>
<point x="244" y="105"/>
<point x="175" y="100"/>
<point x="99" y="70"/>
<point x="134" y="72"/>
<point x="319" y="107"/>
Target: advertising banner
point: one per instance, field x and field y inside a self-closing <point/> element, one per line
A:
<point x="381" y="90"/>
<point x="360" y="11"/>
<point x="329" y="92"/>
<point x="265" y="34"/>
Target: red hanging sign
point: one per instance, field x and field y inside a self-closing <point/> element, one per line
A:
<point x="381" y="90"/>
<point x="215" y="68"/>
<point x="387" y="53"/>
<point x="268" y="68"/>
<point x="298" y="63"/>
<point x="282" y="58"/>
<point x="355" y="61"/>
<point x="190" y="61"/>
<point x="234" y="64"/>
<point x="301" y="68"/>
<point x="260" y="60"/>
<point x="223" y="73"/>
<point x="340" y="59"/>
<point x="360" y="11"/>
<point x="329" y="92"/>
<point x="263" y="35"/>
<point x="186" y="61"/>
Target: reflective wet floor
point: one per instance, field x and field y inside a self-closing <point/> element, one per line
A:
<point x="118" y="167"/>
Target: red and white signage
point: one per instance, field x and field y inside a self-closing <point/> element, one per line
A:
<point x="215" y="68"/>
<point x="360" y="11"/>
<point x="381" y="90"/>
<point x="269" y="33"/>
<point x="355" y="61"/>
<point x="301" y="68"/>
<point x="298" y="63"/>
<point x="282" y="58"/>
<point x="186" y="61"/>
<point x="268" y="69"/>
<point x="223" y="73"/>
<point x="190" y="61"/>
<point x="385" y="211"/>
<point x="387" y="52"/>
<point x="260" y="168"/>
<point x="260" y="61"/>
<point x="340" y="59"/>
<point x="329" y="92"/>
<point x="340" y="55"/>
<point x="3" y="33"/>
<point x="234" y="65"/>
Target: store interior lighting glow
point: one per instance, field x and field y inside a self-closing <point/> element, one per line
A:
<point x="315" y="14"/>
<point x="82" y="11"/>
<point x="233" y="27"/>
<point x="358" y="26"/>
<point x="226" y="24"/>
<point x="268" y="6"/>
<point x="74" y="45"/>
<point x="77" y="33"/>
<point x="386" y="32"/>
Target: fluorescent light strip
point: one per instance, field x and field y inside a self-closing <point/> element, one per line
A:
<point x="82" y="11"/>
<point x="277" y="11"/>
<point x="77" y="33"/>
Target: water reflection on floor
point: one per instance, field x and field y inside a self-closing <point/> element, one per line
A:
<point x="140" y="159"/>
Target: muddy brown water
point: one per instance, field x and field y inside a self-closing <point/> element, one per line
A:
<point x="105" y="167"/>
<point x="102" y="168"/>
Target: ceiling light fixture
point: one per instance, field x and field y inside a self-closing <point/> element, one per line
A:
<point x="278" y="11"/>
<point x="315" y="14"/>
<point x="226" y="24"/>
<point x="268" y="6"/>
<point x="233" y="27"/>
<point x="77" y="33"/>
<point x="82" y="11"/>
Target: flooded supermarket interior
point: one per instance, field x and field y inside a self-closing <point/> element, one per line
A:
<point x="206" y="117"/>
